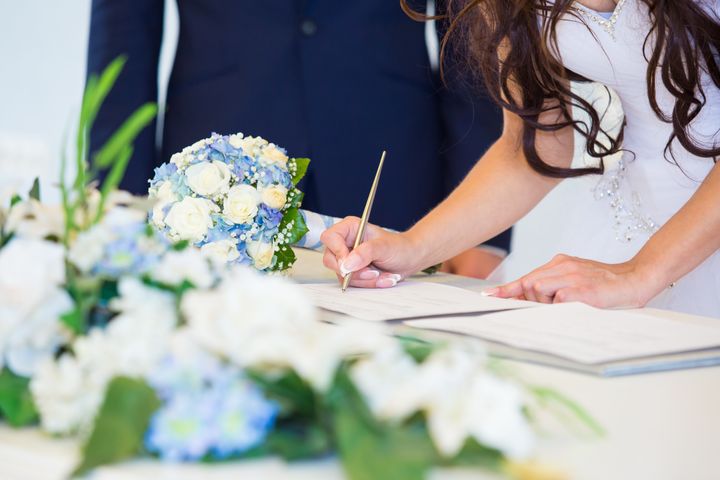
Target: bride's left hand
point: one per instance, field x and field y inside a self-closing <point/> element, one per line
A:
<point x="571" y="279"/>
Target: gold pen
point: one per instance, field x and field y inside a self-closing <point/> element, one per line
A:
<point x="365" y="216"/>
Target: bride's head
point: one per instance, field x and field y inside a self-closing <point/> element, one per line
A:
<point x="528" y="78"/>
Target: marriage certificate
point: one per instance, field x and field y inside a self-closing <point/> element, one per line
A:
<point x="407" y="300"/>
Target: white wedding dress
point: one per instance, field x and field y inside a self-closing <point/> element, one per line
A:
<point x="643" y="190"/>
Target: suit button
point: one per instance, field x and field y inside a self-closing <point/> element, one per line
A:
<point x="308" y="28"/>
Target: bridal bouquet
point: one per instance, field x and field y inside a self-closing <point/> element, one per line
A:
<point x="235" y="197"/>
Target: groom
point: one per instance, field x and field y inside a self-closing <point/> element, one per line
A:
<point x="336" y="81"/>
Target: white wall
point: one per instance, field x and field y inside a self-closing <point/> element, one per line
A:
<point x="42" y="70"/>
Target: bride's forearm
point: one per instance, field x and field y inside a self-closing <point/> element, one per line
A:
<point x="687" y="239"/>
<point x="497" y="192"/>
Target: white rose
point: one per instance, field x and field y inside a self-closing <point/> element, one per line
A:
<point x="236" y="140"/>
<point x="262" y="253"/>
<point x="252" y="145"/>
<point x="274" y="196"/>
<point x="189" y="219"/>
<point x="271" y="155"/>
<point x="163" y="195"/>
<point x="177" y="267"/>
<point x="220" y="252"/>
<point x="29" y="270"/>
<point x="208" y="178"/>
<point x="39" y="335"/>
<point x="241" y="204"/>
<point x="181" y="159"/>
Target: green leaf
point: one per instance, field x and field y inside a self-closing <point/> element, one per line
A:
<point x="292" y="393"/>
<point x="475" y="455"/>
<point x="125" y="135"/>
<point x="298" y="441"/>
<point x="120" y="425"/>
<point x="35" y="190"/>
<point x="15" y="200"/>
<point x="117" y="172"/>
<point x="16" y="403"/>
<point x="180" y="246"/>
<point x="548" y="396"/>
<point x="417" y="348"/>
<point x="284" y="258"/>
<point x="298" y="229"/>
<point x="370" y="450"/>
<point x="296" y="197"/>
<point x="301" y="165"/>
<point x="74" y="320"/>
<point x="101" y="87"/>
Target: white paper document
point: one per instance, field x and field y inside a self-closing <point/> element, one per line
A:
<point x="581" y="333"/>
<point x="406" y="300"/>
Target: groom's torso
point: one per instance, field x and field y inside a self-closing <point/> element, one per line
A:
<point x="335" y="80"/>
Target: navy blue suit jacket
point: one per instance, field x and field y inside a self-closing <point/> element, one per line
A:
<point x="336" y="81"/>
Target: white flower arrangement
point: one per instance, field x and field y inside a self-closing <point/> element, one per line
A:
<point x="141" y="345"/>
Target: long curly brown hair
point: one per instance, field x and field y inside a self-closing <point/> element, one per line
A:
<point x="684" y="39"/>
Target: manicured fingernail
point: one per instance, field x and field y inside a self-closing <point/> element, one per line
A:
<point x="387" y="282"/>
<point x="350" y="264"/>
<point x="368" y="275"/>
<point x="396" y="277"/>
<point x="490" y="292"/>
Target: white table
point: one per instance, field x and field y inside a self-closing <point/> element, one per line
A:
<point x="659" y="426"/>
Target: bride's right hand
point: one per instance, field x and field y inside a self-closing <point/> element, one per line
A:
<point x="381" y="261"/>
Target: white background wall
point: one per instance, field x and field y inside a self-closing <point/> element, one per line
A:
<point x="42" y="69"/>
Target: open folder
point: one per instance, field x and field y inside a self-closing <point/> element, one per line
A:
<point x="572" y="335"/>
<point x="579" y="337"/>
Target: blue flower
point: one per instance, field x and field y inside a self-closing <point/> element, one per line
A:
<point x="244" y="418"/>
<point x="268" y="218"/>
<point x="182" y="429"/>
<point x="209" y="410"/>
<point x="163" y="172"/>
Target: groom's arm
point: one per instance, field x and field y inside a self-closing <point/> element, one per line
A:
<point x="133" y="28"/>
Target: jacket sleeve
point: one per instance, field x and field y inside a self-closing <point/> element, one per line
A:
<point x="471" y="124"/>
<point x="133" y="28"/>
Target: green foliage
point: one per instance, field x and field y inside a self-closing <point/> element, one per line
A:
<point x="120" y="424"/>
<point x="296" y="198"/>
<point x="114" y="155"/>
<point x="285" y="257"/>
<point x="298" y="441"/>
<point x="552" y="399"/>
<point x="299" y="228"/>
<point x="125" y="135"/>
<point x="16" y="403"/>
<point x="34" y="192"/>
<point x="293" y="394"/>
<point x="417" y="348"/>
<point x="302" y="165"/>
<point x="371" y="450"/>
<point x="475" y="455"/>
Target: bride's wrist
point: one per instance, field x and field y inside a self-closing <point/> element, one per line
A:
<point x="650" y="276"/>
<point x="418" y="249"/>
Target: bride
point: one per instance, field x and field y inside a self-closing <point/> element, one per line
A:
<point x="648" y="233"/>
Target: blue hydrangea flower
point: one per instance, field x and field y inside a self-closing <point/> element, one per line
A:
<point x="163" y="172"/>
<point x="182" y="429"/>
<point x="134" y="251"/>
<point x="209" y="410"/>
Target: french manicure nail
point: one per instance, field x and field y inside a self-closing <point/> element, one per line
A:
<point x="490" y="292"/>
<point x="368" y="275"/>
<point x="387" y="282"/>
<point x="349" y="264"/>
